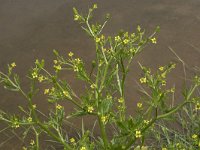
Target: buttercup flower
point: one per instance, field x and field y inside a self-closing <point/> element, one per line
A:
<point x="139" y="105"/>
<point x="32" y="142"/>
<point x="138" y="134"/>
<point x="59" y="107"/>
<point x="72" y="140"/>
<point x="161" y="68"/>
<point x="70" y="54"/>
<point x="13" y="65"/>
<point x="153" y="40"/>
<point x="90" y="109"/>
<point x="46" y="91"/>
<point x="83" y="148"/>
<point x="121" y="100"/>
<point x="97" y="40"/>
<point x="194" y="136"/>
<point x="143" y="80"/>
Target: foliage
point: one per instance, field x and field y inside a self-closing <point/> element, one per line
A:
<point x="104" y="94"/>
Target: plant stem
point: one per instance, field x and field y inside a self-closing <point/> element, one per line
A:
<point x="103" y="132"/>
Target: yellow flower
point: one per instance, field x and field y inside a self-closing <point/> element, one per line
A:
<point x="40" y="78"/>
<point x="66" y="93"/>
<point x="121" y="100"/>
<point x="104" y="119"/>
<point x="90" y="109"/>
<point x="75" y="68"/>
<point x="72" y="140"/>
<point x="76" y="17"/>
<point x="97" y="40"/>
<point x="77" y="60"/>
<point x="143" y="80"/>
<point x="164" y="148"/>
<point x="194" y="136"/>
<point x="163" y="83"/>
<point x="58" y="67"/>
<point x="172" y="90"/>
<point x="153" y="40"/>
<point x="46" y="91"/>
<point x="146" y="121"/>
<point x="139" y="105"/>
<point x="93" y="86"/>
<point x="34" y="75"/>
<point x="13" y="65"/>
<point x="161" y="68"/>
<point x="59" y="107"/>
<point x="32" y="142"/>
<point x="70" y="54"/>
<point x="126" y="41"/>
<point x="24" y="148"/>
<point x="29" y="119"/>
<point x="34" y="106"/>
<point x="138" y="134"/>
<point x="55" y="61"/>
<point x="83" y="148"/>
<point x="117" y="38"/>
<point x="197" y="106"/>
<point x="163" y="75"/>
<point x="95" y="6"/>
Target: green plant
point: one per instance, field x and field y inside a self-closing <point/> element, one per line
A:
<point x="104" y="96"/>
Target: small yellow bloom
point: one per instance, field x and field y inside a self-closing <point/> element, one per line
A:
<point x="97" y="40"/>
<point x="55" y="61"/>
<point x="146" y="121"/>
<point x="58" y="67"/>
<point x="194" y="136"/>
<point x="77" y="60"/>
<point x="29" y="119"/>
<point x="93" y="86"/>
<point x="72" y="140"/>
<point x="46" y="91"/>
<point x="197" y="106"/>
<point x="90" y="109"/>
<point x="66" y="93"/>
<point x="138" y="134"/>
<point x="126" y="41"/>
<point x="95" y="6"/>
<point x="83" y="148"/>
<point x="13" y="65"/>
<point x="121" y="100"/>
<point x="143" y="80"/>
<point x="40" y="78"/>
<point x="153" y="40"/>
<point x="59" y="107"/>
<point x="172" y="90"/>
<point x="34" y="75"/>
<point x="24" y="148"/>
<point x="117" y="38"/>
<point x="173" y="66"/>
<point x="34" y="106"/>
<point x="163" y="83"/>
<point x="70" y="54"/>
<point x="75" y="68"/>
<point x="163" y="75"/>
<point x="32" y="142"/>
<point x="76" y="17"/>
<point x="161" y="68"/>
<point x="139" y="105"/>
<point x="103" y="119"/>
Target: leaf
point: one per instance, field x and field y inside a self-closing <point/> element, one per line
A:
<point x="77" y="114"/>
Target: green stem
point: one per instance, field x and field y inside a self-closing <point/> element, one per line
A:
<point x="103" y="132"/>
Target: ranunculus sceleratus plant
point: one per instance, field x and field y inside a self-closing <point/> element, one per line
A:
<point x="104" y="94"/>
